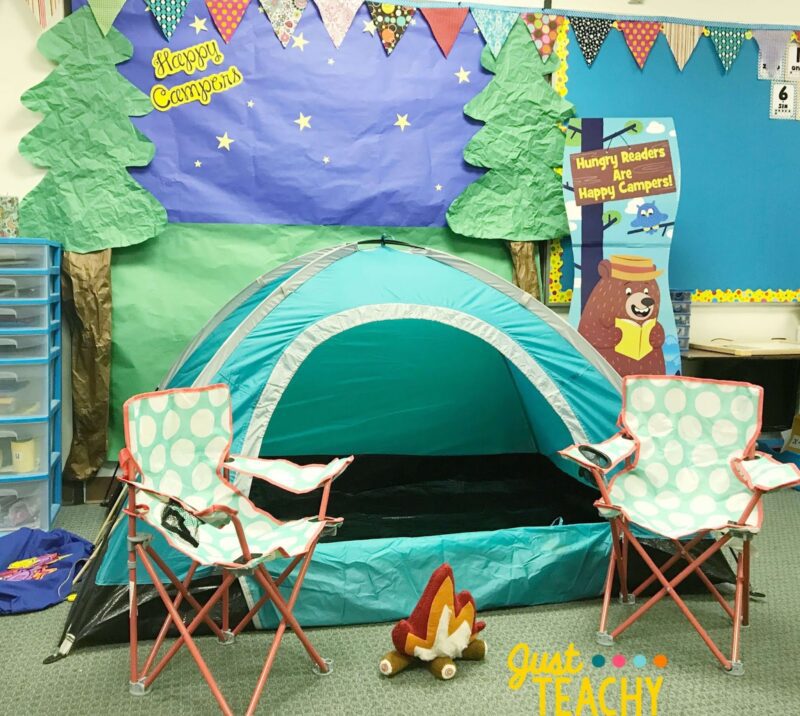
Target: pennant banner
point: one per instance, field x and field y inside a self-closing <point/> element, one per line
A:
<point x="494" y="26"/>
<point x="391" y="22"/>
<point x="337" y="16"/>
<point x="771" y="52"/>
<point x="640" y="36"/>
<point x="590" y="33"/>
<point x="105" y="12"/>
<point x="167" y="13"/>
<point x="682" y="39"/>
<point x="727" y="41"/>
<point x="284" y="15"/>
<point x="445" y="25"/>
<point x="227" y="14"/>
<point x="544" y="31"/>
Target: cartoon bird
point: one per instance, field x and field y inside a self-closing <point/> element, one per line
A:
<point x="648" y="217"/>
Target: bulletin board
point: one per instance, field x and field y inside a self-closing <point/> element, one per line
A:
<point x="735" y="238"/>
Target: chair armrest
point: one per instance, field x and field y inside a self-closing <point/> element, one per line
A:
<point x="602" y="457"/>
<point x="217" y="515"/>
<point x="298" y="479"/>
<point x="764" y="473"/>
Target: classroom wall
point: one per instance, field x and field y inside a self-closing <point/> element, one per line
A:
<point x="24" y="67"/>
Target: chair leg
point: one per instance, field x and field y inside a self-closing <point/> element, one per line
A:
<point x="738" y="614"/>
<point x="133" y="608"/>
<point x="187" y="638"/>
<point x="285" y="608"/>
<point x="668" y="587"/>
<point x="746" y="585"/>
<point x="602" y="635"/>
<point x="162" y="634"/>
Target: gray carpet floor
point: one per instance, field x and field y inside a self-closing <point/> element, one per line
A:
<point x="93" y="680"/>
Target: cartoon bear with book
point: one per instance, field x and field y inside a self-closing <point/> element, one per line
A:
<point x="620" y="318"/>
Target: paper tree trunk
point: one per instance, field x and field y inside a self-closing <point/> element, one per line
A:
<point x="86" y="290"/>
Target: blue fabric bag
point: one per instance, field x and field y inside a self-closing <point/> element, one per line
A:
<point x="37" y="568"/>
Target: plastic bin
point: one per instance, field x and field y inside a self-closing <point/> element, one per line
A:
<point x="24" y="504"/>
<point x="21" y="346"/>
<point x="24" y="317"/>
<point x="24" y="390"/>
<point x="24" y="449"/>
<point x="21" y="255"/>
<point x="22" y="287"/>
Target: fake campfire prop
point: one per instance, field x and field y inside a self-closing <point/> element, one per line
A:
<point x="441" y="628"/>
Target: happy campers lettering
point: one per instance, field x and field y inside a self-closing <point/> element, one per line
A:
<point x="189" y="60"/>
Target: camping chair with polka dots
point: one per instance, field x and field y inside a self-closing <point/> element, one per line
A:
<point x="176" y="466"/>
<point x="683" y="466"/>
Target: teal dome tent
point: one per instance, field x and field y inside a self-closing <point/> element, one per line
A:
<point x="453" y="388"/>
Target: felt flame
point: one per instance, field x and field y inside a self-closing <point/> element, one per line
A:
<point x="442" y="623"/>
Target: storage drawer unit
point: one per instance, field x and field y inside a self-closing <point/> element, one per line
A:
<point x="30" y="383"/>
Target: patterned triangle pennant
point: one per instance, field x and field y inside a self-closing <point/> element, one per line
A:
<point x="445" y="24"/>
<point x="105" y="12"/>
<point x="494" y="26"/>
<point x="284" y="16"/>
<point x="771" y="51"/>
<point x="337" y="16"/>
<point x="682" y="39"/>
<point x="727" y="41"/>
<point x="227" y="14"/>
<point x="391" y="22"/>
<point x="544" y="31"/>
<point x="591" y="33"/>
<point x="167" y="13"/>
<point x="640" y="36"/>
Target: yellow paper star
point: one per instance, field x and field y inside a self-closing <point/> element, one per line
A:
<point x="438" y="187"/>
<point x="303" y="121"/>
<point x="331" y="61"/>
<point x="463" y="75"/>
<point x="369" y="27"/>
<point x="225" y="142"/>
<point x="251" y="103"/>
<point x="299" y="42"/>
<point x="199" y="25"/>
<point x="326" y="160"/>
<point x="475" y="30"/>
<point x="198" y="163"/>
<point x="402" y="122"/>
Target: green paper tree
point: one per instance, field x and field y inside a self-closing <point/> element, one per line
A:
<point x="521" y="143"/>
<point x="87" y="200"/>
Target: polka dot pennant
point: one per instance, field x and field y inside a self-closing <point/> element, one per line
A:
<point x="727" y="41"/>
<point x="640" y="36"/>
<point x="167" y="13"/>
<point x="227" y="14"/>
<point x="591" y="33"/>
<point x="618" y="661"/>
<point x="391" y="22"/>
<point x="544" y="30"/>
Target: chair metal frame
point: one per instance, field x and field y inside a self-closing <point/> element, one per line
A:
<point x="140" y="550"/>
<point x="599" y="465"/>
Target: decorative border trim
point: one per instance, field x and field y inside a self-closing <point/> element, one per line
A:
<point x="556" y="293"/>
<point x="748" y="295"/>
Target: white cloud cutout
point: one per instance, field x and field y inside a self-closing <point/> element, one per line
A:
<point x="633" y="206"/>
<point x="655" y="128"/>
<point x="573" y="210"/>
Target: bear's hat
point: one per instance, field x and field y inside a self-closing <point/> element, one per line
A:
<point x="633" y="268"/>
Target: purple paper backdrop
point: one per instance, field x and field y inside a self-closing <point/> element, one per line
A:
<point x="378" y="174"/>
